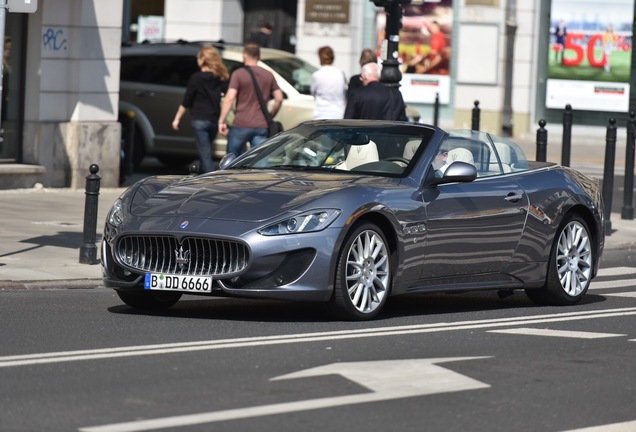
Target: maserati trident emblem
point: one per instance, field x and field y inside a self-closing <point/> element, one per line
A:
<point x="184" y="224"/>
<point x="182" y="256"/>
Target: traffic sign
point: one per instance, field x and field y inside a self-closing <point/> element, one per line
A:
<point x="25" y="6"/>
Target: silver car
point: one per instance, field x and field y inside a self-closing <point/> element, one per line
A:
<point x="353" y="212"/>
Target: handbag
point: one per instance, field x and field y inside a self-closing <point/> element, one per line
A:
<point x="273" y="126"/>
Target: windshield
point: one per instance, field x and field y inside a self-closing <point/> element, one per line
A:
<point x="294" y="70"/>
<point x="329" y="146"/>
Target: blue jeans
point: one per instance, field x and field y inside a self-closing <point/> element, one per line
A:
<point x="204" y="134"/>
<point x="238" y="137"/>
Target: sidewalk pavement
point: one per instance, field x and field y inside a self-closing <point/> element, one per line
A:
<point x="42" y="233"/>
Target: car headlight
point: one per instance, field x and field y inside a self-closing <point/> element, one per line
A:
<point x="310" y="221"/>
<point x="116" y="214"/>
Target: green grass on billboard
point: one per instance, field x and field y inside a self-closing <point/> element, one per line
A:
<point x="620" y="68"/>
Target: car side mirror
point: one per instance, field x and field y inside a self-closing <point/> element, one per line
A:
<point x="227" y="160"/>
<point x="458" y="172"/>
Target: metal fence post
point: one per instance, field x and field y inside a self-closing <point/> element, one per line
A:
<point x="88" y="250"/>
<point x="608" y="172"/>
<point x="627" y="212"/>
<point x="476" y="116"/>
<point x="566" y="148"/>
<point x="436" y="110"/>
<point x="542" y="142"/>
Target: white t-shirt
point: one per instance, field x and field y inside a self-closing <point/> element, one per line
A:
<point x="329" y="87"/>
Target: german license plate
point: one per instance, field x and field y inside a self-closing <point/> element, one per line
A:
<point x="192" y="284"/>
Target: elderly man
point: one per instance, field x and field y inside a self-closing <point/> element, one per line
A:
<point x="374" y="100"/>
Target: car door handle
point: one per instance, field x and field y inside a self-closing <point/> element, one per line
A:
<point x="513" y="197"/>
<point x="144" y="93"/>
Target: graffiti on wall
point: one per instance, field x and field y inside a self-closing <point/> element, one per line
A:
<point x="54" y="40"/>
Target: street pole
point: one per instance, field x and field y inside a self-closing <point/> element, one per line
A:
<point x="391" y="75"/>
<point x="3" y="15"/>
<point x="511" y="30"/>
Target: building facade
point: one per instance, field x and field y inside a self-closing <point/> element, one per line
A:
<point x="63" y="74"/>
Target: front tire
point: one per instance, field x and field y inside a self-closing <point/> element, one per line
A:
<point x="149" y="300"/>
<point x="569" y="267"/>
<point x="363" y="276"/>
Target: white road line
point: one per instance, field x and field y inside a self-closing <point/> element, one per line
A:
<point x="630" y="294"/>
<point x="66" y="356"/>
<point x="612" y="284"/>
<point x="556" y="333"/>
<point x="629" y="426"/>
<point x="617" y="271"/>
<point x="399" y="379"/>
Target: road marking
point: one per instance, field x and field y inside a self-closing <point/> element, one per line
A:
<point x="629" y="294"/>
<point x="106" y="353"/>
<point x="556" y="333"/>
<point x="615" y="427"/>
<point x="390" y="379"/>
<point x="617" y="271"/>
<point x="612" y="284"/>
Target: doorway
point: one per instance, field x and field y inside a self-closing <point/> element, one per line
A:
<point x="281" y="14"/>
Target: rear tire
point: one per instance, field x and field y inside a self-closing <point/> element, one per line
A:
<point x="363" y="276"/>
<point x="569" y="267"/>
<point x="149" y="300"/>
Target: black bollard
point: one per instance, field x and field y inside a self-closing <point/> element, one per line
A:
<point x="542" y="142"/>
<point x="476" y="115"/>
<point x="608" y="172"/>
<point x="194" y="168"/>
<point x="88" y="250"/>
<point x="436" y="110"/>
<point x="627" y="212"/>
<point x="566" y="148"/>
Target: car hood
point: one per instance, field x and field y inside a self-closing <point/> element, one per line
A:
<point x="242" y="196"/>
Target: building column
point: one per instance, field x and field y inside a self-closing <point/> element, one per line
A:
<point x="71" y="108"/>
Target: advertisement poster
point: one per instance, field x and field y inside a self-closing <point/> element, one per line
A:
<point x="424" y="49"/>
<point x="589" y="62"/>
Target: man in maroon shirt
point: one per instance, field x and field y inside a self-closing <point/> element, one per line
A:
<point x="249" y="123"/>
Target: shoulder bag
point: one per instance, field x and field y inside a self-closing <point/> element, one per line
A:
<point x="273" y="127"/>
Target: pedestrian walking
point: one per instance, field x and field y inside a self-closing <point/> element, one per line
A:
<point x="355" y="82"/>
<point x="203" y="100"/>
<point x="375" y="101"/>
<point x="329" y="87"/>
<point x="250" y="125"/>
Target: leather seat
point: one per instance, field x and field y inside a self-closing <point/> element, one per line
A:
<point x="360" y="155"/>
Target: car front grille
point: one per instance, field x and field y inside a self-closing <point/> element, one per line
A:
<point x="193" y="256"/>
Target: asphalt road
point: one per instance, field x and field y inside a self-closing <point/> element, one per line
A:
<point x="78" y="359"/>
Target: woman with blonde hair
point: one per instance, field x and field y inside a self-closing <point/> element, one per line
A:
<point x="203" y="100"/>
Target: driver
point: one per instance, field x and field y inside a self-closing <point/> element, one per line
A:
<point x="439" y="163"/>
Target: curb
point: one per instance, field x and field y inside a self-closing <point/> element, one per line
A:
<point x="51" y="284"/>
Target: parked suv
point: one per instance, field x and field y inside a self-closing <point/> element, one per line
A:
<point x="153" y="80"/>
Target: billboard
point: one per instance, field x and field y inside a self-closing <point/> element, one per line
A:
<point x="424" y="49"/>
<point x="589" y="55"/>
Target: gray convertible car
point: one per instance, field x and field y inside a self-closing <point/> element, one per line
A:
<point x="353" y="212"/>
